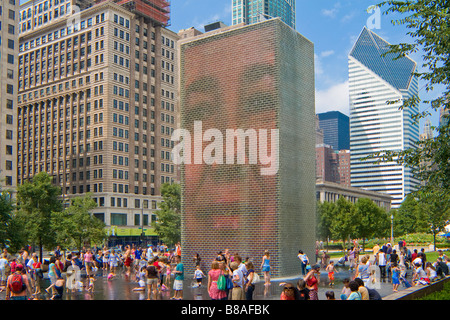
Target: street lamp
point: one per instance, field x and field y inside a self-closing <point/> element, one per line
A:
<point x="392" y="229"/>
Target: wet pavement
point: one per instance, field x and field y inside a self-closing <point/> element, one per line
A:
<point x="123" y="287"/>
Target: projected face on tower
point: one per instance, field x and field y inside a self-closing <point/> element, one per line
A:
<point x="229" y="104"/>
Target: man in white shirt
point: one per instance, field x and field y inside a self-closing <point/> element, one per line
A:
<point x="238" y="282"/>
<point x="382" y="264"/>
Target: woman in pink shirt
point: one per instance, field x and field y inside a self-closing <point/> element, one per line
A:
<point x="213" y="276"/>
<point x="88" y="261"/>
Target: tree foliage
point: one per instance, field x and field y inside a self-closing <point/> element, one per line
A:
<point x="410" y="218"/>
<point x="11" y="231"/>
<point x="326" y="211"/>
<point x="429" y="29"/>
<point x="168" y="223"/>
<point x="76" y="226"/>
<point x="344" y="223"/>
<point x="372" y="221"/>
<point x="344" y="220"/>
<point x="37" y="200"/>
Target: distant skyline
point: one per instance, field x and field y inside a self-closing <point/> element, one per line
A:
<point x="333" y="27"/>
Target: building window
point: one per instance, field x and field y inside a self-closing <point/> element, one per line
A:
<point x="118" y="219"/>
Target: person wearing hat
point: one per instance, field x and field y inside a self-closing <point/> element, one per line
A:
<point x="13" y="293"/>
<point x="312" y="279"/>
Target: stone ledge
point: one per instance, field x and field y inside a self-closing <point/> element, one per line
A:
<point x="418" y="291"/>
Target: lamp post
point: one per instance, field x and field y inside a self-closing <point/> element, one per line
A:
<point x="142" y="223"/>
<point x="392" y="229"/>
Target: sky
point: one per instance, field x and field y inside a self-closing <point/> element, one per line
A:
<point x="333" y="27"/>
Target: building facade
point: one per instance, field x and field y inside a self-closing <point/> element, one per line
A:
<point x="333" y="166"/>
<point x="246" y="11"/>
<point x="98" y="104"/>
<point x="336" y="129"/>
<point x="444" y="115"/>
<point x="378" y="86"/>
<point x="9" y="49"/>
<point x="248" y="196"/>
<point x="330" y="192"/>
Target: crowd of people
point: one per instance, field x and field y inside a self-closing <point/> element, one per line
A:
<point x="386" y="264"/>
<point x="153" y="268"/>
<point x="158" y="269"/>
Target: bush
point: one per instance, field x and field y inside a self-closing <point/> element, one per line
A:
<point x="440" y="295"/>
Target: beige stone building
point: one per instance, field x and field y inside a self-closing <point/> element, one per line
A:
<point x="9" y="13"/>
<point x="330" y="192"/>
<point x="98" y="103"/>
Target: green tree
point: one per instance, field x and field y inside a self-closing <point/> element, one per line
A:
<point x="344" y="223"/>
<point x="37" y="200"/>
<point x="11" y="234"/>
<point x="371" y="219"/>
<point x="436" y="207"/>
<point x="326" y="211"/>
<point x="168" y="223"/>
<point x="410" y="218"/>
<point x="76" y="226"/>
<point x="429" y="28"/>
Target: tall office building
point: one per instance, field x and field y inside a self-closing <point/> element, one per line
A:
<point x="97" y="103"/>
<point x="252" y="11"/>
<point x="375" y="124"/>
<point x="336" y="129"/>
<point x="9" y="13"/>
<point x="444" y="116"/>
<point x="427" y="131"/>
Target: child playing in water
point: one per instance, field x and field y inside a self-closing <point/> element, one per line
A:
<point x="330" y="270"/>
<point x="198" y="275"/>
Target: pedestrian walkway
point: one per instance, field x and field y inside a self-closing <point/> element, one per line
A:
<point x="122" y="288"/>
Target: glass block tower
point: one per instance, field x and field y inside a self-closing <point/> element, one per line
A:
<point x="376" y="125"/>
<point x="258" y="79"/>
<point x="251" y="11"/>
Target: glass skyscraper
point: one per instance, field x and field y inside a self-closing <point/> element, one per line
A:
<point x="336" y="129"/>
<point x="252" y="11"/>
<point x="378" y="85"/>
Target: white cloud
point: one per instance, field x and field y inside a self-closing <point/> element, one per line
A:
<point x="334" y="98"/>
<point x="328" y="53"/>
<point x="348" y="17"/>
<point x="331" y="13"/>
<point x="317" y="65"/>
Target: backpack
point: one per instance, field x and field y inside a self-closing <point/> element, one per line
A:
<point x="222" y="283"/>
<point x="16" y="284"/>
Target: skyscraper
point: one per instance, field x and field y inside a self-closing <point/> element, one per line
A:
<point x="375" y="124"/>
<point x="251" y="11"/>
<point x="444" y="115"/>
<point x="336" y="129"/>
<point x="9" y="13"/>
<point x="97" y="103"/>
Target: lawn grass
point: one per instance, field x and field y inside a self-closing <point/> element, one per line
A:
<point x="444" y="294"/>
<point x="431" y="255"/>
